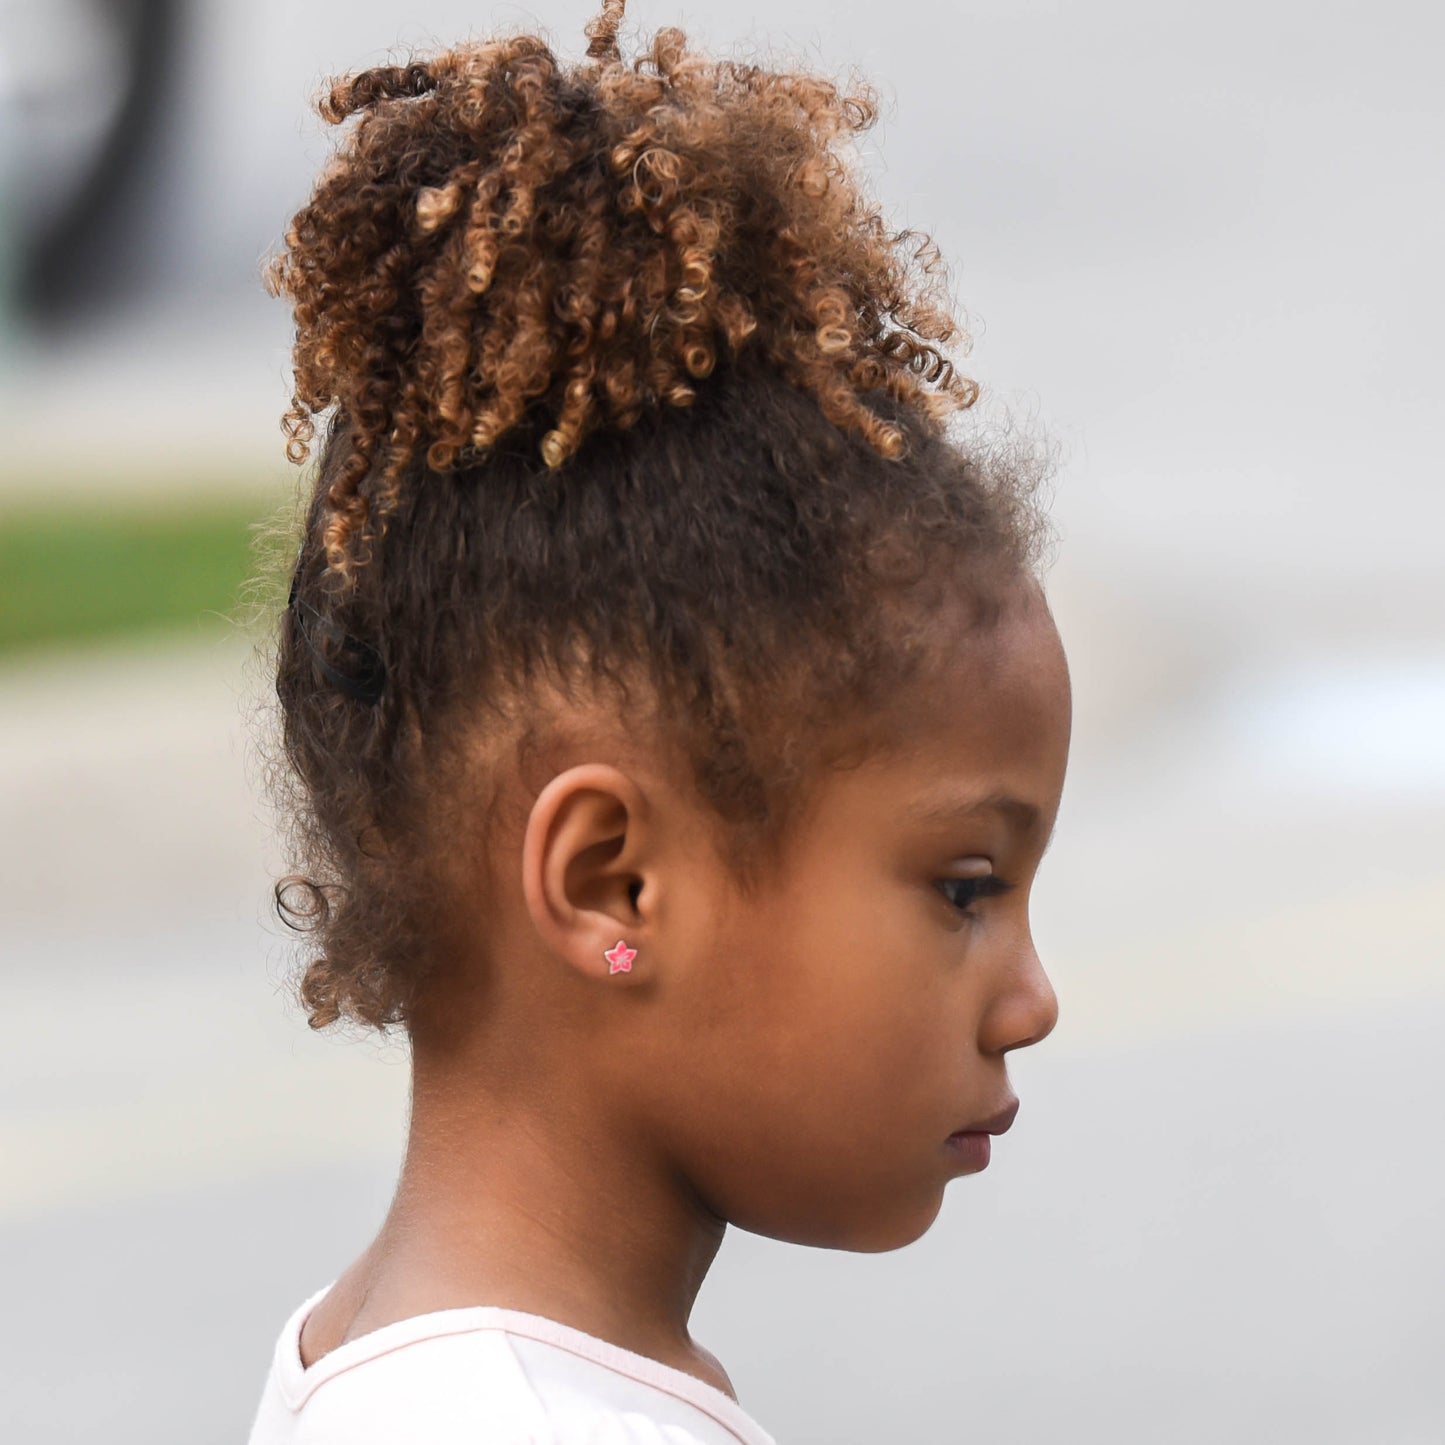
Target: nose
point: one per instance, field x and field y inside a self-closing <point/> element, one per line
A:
<point x="1026" y="1007"/>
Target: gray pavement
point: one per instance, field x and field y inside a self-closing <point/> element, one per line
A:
<point x="1217" y="1217"/>
<point x="1232" y="1235"/>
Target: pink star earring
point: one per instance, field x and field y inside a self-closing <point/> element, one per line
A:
<point x="619" y="959"/>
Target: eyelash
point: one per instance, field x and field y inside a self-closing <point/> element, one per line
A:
<point x="989" y="886"/>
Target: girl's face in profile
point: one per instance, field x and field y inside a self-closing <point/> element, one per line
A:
<point x="829" y="1035"/>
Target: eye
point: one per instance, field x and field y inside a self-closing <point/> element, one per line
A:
<point x="961" y="892"/>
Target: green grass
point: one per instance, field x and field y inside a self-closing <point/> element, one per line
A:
<point x="87" y="572"/>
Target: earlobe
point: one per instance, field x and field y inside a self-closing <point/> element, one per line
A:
<point x="584" y="858"/>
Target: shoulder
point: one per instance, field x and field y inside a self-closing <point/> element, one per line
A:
<point x="489" y="1375"/>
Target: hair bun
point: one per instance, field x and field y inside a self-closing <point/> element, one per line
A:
<point x="499" y="234"/>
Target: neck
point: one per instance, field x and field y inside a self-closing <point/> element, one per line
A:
<point x="510" y="1197"/>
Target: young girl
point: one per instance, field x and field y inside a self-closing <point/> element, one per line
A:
<point x="675" y="725"/>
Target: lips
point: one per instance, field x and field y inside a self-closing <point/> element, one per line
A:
<point x="1000" y="1123"/>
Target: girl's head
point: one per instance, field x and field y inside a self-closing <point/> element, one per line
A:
<point x="642" y="596"/>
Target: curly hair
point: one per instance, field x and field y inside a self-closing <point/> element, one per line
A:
<point x="629" y="383"/>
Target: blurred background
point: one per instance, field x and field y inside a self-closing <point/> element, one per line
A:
<point x="1199" y="249"/>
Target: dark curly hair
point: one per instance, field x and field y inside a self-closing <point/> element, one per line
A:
<point x="634" y="396"/>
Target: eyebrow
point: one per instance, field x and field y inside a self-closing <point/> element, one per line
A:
<point x="941" y="810"/>
<point x="1022" y="814"/>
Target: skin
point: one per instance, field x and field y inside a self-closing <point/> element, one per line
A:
<point x="792" y="1062"/>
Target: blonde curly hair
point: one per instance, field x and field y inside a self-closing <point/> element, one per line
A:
<point x="500" y="232"/>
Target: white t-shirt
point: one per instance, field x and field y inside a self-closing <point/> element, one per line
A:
<point x="487" y="1376"/>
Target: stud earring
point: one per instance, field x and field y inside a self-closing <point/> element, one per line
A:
<point x="619" y="958"/>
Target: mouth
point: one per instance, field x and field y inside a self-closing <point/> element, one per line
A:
<point x="969" y="1147"/>
<point x="1000" y="1123"/>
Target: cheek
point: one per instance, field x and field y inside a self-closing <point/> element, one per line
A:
<point x="868" y="981"/>
<point x="827" y="1057"/>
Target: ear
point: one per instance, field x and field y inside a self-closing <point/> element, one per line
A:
<point x="587" y="870"/>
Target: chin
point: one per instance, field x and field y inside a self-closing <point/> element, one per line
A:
<point x="875" y="1229"/>
<point x="895" y="1232"/>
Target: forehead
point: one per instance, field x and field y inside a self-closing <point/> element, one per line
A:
<point x="984" y="731"/>
<point x="991" y="688"/>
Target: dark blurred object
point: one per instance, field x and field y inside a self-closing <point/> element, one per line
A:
<point x="89" y="84"/>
